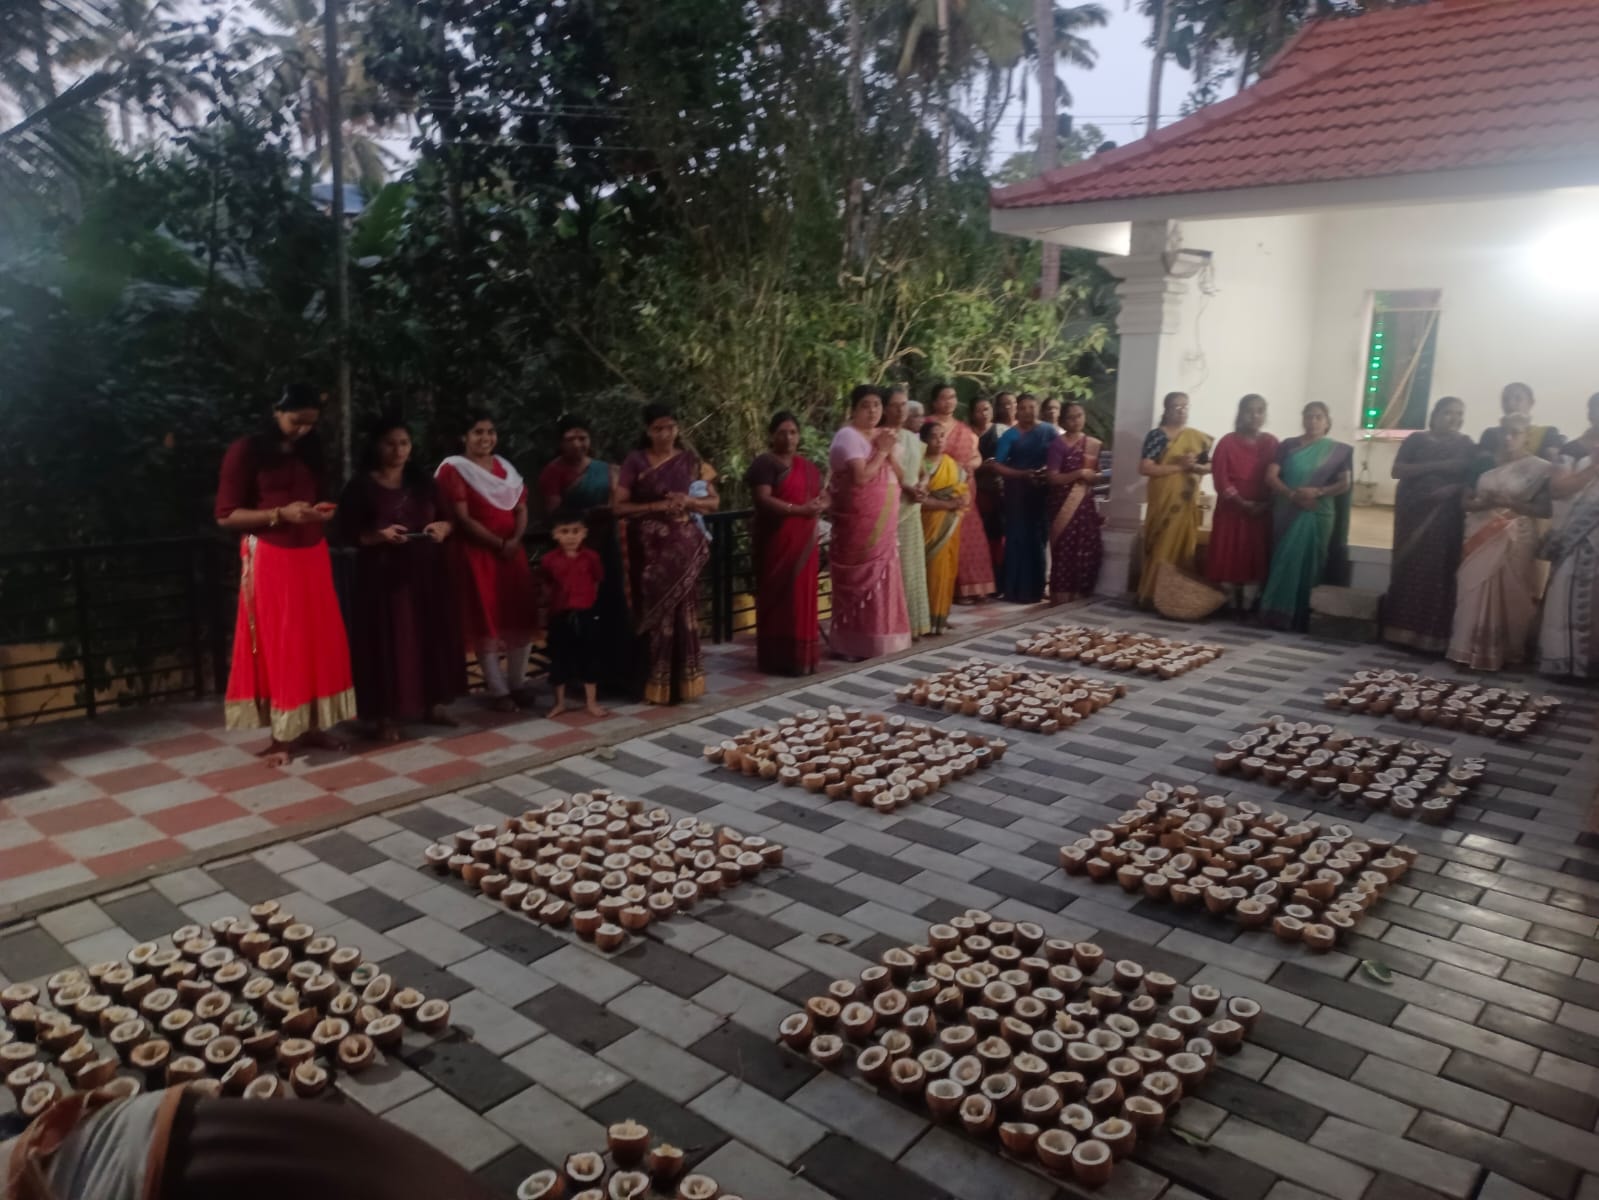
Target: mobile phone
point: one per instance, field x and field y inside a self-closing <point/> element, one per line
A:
<point x="413" y="536"/>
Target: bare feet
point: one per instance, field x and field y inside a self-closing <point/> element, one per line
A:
<point x="437" y="715"/>
<point x="388" y="732"/>
<point x="557" y="709"/>
<point x="276" y="754"/>
<point x="321" y="739"/>
<point x="594" y="710"/>
<point x="502" y="704"/>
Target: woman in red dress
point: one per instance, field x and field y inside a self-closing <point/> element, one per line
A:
<point x="787" y="489"/>
<point x="499" y="607"/>
<point x="291" y="664"/>
<point x="1239" y="556"/>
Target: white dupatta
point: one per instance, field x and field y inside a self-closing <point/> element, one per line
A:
<point x="505" y="494"/>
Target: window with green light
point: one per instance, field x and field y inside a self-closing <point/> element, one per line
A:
<point x="1400" y="347"/>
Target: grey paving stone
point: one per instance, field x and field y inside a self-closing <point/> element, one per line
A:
<point x="853" y="1109"/>
<point x="1534" y="1168"/>
<point x="1424" y="1090"/>
<point x="1378" y="1039"/>
<point x="666" y="1068"/>
<point x="1409" y="990"/>
<point x="1517" y="950"/>
<point x="432" y="981"/>
<point x="434" y="941"/>
<point x="376" y="910"/>
<point x="750" y="962"/>
<point x="1509" y="995"/>
<point x="666" y="967"/>
<point x="756" y="1059"/>
<point x="495" y="1026"/>
<point x="1474" y="1039"/>
<point x="666" y="1119"/>
<point x="758" y="930"/>
<point x="1208" y="1169"/>
<point x="752" y="1007"/>
<point x="679" y="1021"/>
<point x="736" y="1166"/>
<point x="755" y="1118"/>
<point x="32" y="952"/>
<point x="344" y="851"/>
<point x="1436" y="1169"/>
<point x="451" y="1127"/>
<point x="469" y="1072"/>
<point x="572" y="1074"/>
<point x="585" y="972"/>
<point x="146" y="914"/>
<point x="575" y="1018"/>
<point x="109" y="945"/>
<point x="75" y="921"/>
<point x="1569" y="1043"/>
<point x="1351" y="997"/>
<point x="1576" y="1146"/>
<point x="1567" y="1104"/>
<point x="971" y="1171"/>
<point x="180" y="887"/>
<point x="504" y="1174"/>
<point x="322" y="881"/>
<point x="1348" y="1099"/>
<point x="1459" y="951"/>
<point x="500" y="977"/>
<point x="546" y="1124"/>
<point x="382" y="1085"/>
<point x="1289" y="1113"/>
<point x="1331" y="1173"/>
<point x="850" y="1170"/>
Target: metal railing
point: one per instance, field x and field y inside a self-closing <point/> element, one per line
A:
<point x="84" y="629"/>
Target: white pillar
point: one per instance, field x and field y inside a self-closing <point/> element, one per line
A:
<point x="1151" y="306"/>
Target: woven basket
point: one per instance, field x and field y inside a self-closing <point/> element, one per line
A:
<point x="1183" y="597"/>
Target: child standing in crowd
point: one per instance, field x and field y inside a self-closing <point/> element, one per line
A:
<point x="572" y="574"/>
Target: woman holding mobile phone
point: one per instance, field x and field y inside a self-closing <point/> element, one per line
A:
<point x="405" y="638"/>
<point x="291" y="664"/>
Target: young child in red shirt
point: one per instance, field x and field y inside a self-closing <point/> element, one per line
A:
<point x="571" y="575"/>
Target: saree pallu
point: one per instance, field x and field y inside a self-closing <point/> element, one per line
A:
<point x="590" y="494"/>
<point x="942" y="533"/>
<point x="990" y="505"/>
<point x="787" y="558"/>
<point x="1310" y="547"/>
<point x="1569" y="642"/>
<point x="666" y="555"/>
<point x="1075" y="546"/>
<point x="291" y="663"/>
<point x="1026" y="530"/>
<point x="909" y="454"/>
<point x="974" y="576"/>
<point x="1239" y="550"/>
<point x="1496" y="588"/>
<point x="1171" y="522"/>
<point x="1429" y="527"/>
<point x="869" y="614"/>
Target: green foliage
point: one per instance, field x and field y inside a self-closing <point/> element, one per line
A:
<point x="604" y="204"/>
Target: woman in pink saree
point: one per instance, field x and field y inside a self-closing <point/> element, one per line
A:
<point x="667" y="550"/>
<point x="1497" y="586"/>
<point x="869" y="613"/>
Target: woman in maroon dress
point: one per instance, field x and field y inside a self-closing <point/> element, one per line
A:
<point x="1239" y="555"/>
<point x="405" y="643"/>
<point x="487" y="504"/>
<point x="784" y="543"/>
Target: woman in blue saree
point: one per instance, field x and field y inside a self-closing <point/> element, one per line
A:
<point x="1020" y="460"/>
<point x="1310" y="520"/>
<point x="576" y="482"/>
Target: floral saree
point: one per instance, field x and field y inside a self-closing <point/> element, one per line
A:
<point x="1569" y="642"/>
<point x="666" y="555"/>
<point x="1075" y="548"/>
<point x="1171" y="517"/>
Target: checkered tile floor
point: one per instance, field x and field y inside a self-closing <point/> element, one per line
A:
<point x="1473" y="1074"/>
<point x="108" y="801"/>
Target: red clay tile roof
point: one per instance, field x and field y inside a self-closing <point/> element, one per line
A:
<point x="1431" y="87"/>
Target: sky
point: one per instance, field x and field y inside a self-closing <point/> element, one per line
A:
<point x="1114" y="94"/>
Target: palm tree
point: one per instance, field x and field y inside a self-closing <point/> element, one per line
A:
<point x="295" y="63"/>
<point x="1056" y="33"/>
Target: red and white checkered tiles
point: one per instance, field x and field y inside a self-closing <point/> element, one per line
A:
<point x="146" y="787"/>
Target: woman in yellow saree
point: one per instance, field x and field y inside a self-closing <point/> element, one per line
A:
<point x="1174" y="459"/>
<point x="947" y="501"/>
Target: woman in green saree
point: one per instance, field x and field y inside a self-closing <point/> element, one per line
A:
<point x="1310" y="520"/>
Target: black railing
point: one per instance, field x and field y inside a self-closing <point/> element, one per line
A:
<point x="89" y="628"/>
<point x="85" y="628"/>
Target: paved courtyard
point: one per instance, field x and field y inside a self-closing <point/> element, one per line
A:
<point x="1471" y="1071"/>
